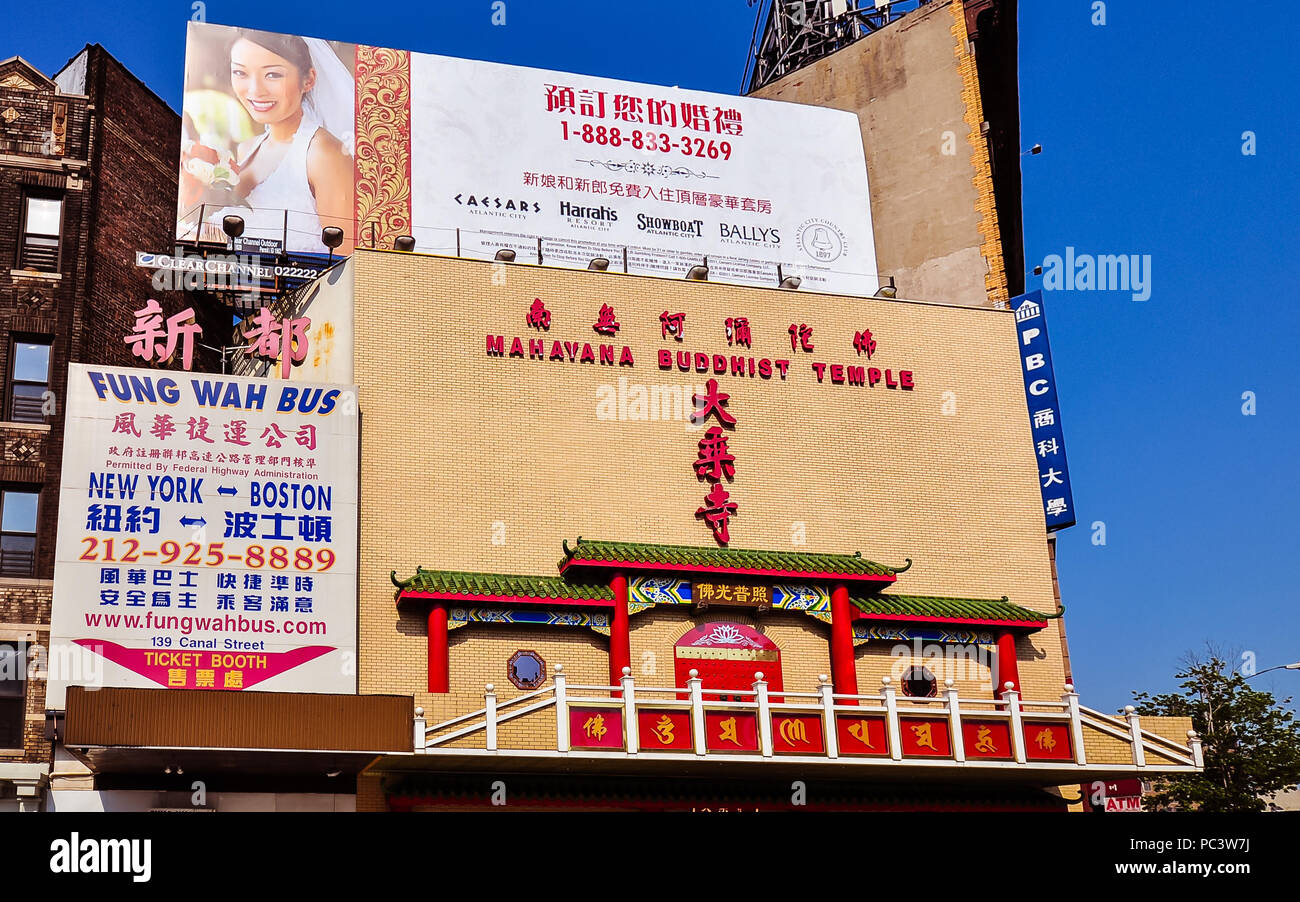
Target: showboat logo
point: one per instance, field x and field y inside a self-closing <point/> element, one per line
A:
<point x="658" y="225"/>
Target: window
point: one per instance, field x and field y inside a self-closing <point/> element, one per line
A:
<point x="18" y="533"/>
<point x="13" y="674"/>
<point x="30" y="380"/>
<point x="42" y="225"/>
<point x="526" y="669"/>
<point x="919" y="683"/>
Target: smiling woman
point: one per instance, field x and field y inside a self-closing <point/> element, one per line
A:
<point x="280" y="156"/>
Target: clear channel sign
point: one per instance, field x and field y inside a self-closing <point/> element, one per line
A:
<point x="207" y="534"/>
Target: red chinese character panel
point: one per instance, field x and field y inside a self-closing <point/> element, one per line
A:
<point x="862" y="735"/>
<point x="987" y="739"/>
<point x="662" y="729"/>
<point x="596" y="728"/>
<point x="731" y="731"/>
<point x="797" y="734"/>
<point x="924" y="738"/>
<point x="1047" y="741"/>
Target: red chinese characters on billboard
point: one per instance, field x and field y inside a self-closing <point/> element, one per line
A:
<point x="1047" y="741"/>
<point x="731" y="731"/>
<point x="596" y="728"/>
<point x="797" y="734"/>
<point x="664" y="730"/>
<point x="926" y="738"/>
<point x="862" y="735"/>
<point x="986" y="739"/>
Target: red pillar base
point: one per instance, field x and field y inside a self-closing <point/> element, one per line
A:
<point x="620" y="641"/>
<point x="844" y="671"/>
<point x="1007" y="671"/>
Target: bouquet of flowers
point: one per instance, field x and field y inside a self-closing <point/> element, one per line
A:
<point x="209" y="176"/>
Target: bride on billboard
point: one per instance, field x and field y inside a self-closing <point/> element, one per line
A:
<point x="274" y="143"/>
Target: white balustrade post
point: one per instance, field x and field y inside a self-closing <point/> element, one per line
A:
<point x="1071" y="699"/>
<point x="1194" y="743"/>
<point x="694" y="684"/>
<point x="629" y="712"/>
<point x="1012" y="697"/>
<point x="561" y="710"/>
<point x="490" y="703"/>
<point x="954" y="722"/>
<point x="420" y="727"/>
<point x="764" y="715"/>
<point x="831" y="728"/>
<point x="891" y="719"/>
<point x="1135" y="730"/>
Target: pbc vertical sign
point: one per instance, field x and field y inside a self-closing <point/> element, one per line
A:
<point x="1044" y="410"/>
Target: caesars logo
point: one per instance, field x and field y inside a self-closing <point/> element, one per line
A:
<point x="657" y="225"/>
<point x="588" y="217"/>
<point x="821" y="240"/>
<point x="743" y="234"/>
<point x="491" y="205"/>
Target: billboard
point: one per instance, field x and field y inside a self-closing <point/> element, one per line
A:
<point x="1044" y="410"/>
<point x="469" y="158"/>
<point x="207" y="534"/>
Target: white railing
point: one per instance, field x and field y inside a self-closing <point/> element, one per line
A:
<point x="824" y="723"/>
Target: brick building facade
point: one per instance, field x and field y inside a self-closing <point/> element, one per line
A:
<point x="87" y="177"/>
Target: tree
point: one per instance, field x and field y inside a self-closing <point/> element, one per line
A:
<point x="1251" y="744"/>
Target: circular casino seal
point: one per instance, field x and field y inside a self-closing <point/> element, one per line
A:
<point x="821" y="240"/>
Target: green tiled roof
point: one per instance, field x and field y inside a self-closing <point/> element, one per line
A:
<point x="477" y="584"/>
<point x="593" y="553"/>
<point x="1000" y="610"/>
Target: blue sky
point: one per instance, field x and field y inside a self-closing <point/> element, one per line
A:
<point x="1141" y="121"/>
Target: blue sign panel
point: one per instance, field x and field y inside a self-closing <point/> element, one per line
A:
<point x="1044" y="411"/>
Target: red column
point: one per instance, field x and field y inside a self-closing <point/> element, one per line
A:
<point x="1007" y="670"/>
<point x="439" y="666"/>
<point x="844" y="672"/>
<point x="620" y="642"/>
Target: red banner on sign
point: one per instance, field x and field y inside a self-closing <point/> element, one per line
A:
<point x="987" y="739"/>
<point x="660" y="730"/>
<point x="797" y="734"/>
<point x="596" y="728"/>
<point x="924" y="738"/>
<point x="204" y="669"/>
<point x="731" y="731"/>
<point x="862" y="735"/>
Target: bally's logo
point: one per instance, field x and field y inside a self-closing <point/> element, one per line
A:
<point x="821" y="239"/>
<point x="743" y="234"/>
<point x="588" y="217"/>
<point x="491" y="205"/>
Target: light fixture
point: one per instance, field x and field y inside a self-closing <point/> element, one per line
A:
<point x="333" y="773"/>
<point x="887" y="291"/>
<point x="404" y="243"/>
<point x="505" y="255"/>
<point x="233" y="225"/>
<point x="698" y="273"/>
<point x="1035" y="150"/>
<point x="598" y="264"/>
<point x="1038" y="270"/>
<point x="331" y="237"/>
<point x="791" y="282"/>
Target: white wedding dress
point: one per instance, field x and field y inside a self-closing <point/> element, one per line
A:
<point x="328" y="107"/>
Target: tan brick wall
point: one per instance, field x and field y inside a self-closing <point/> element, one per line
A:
<point x="455" y="441"/>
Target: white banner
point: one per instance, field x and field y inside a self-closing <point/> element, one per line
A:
<point x="207" y="534"/>
<point x="595" y="167"/>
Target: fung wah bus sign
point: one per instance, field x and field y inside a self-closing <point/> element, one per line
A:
<point x="207" y="534"/>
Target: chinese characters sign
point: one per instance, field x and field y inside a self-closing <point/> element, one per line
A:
<point x="207" y="532"/>
<point x="1044" y="410"/>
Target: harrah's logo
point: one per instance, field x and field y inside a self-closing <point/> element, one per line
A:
<point x="103" y="856"/>
<point x="600" y="214"/>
